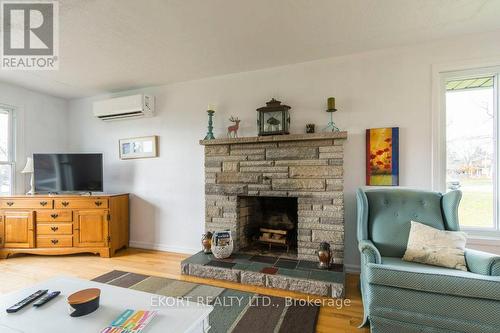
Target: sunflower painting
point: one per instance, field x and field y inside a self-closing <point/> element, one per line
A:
<point x="382" y="156"/>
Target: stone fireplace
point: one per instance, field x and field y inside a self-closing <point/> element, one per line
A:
<point x="306" y="168"/>
<point x="281" y="192"/>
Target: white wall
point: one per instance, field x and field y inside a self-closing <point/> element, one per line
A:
<point x="40" y="125"/>
<point x="376" y="89"/>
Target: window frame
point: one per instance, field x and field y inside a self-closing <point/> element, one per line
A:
<point x="11" y="158"/>
<point x="441" y="75"/>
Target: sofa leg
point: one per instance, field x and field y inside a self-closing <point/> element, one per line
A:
<point x="365" y="321"/>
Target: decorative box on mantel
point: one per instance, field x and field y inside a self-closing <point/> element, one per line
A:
<point x="307" y="168"/>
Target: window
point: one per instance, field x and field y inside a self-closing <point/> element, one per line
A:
<point x="7" y="165"/>
<point x="471" y="143"/>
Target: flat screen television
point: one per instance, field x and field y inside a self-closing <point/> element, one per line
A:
<point x="55" y="173"/>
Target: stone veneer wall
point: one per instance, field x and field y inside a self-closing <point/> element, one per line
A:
<point x="308" y="166"/>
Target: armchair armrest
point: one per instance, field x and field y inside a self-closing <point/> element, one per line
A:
<point x="369" y="251"/>
<point x="482" y="262"/>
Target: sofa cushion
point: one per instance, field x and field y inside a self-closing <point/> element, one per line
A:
<point x="395" y="272"/>
<point x="390" y="213"/>
<point x="448" y="312"/>
<point x="432" y="246"/>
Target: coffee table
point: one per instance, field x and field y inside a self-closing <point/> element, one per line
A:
<point x="53" y="317"/>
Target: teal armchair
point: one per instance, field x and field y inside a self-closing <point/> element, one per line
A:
<point x="407" y="297"/>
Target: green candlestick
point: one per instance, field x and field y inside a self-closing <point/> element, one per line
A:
<point x="331" y="126"/>
<point x="210" y="134"/>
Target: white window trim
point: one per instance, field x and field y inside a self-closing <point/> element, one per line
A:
<point x="440" y="73"/>
<point x="12" y="145"/>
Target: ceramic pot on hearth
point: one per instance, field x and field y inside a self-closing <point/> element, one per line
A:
<point x="206" y="242"/>
<point x="324" y="255"/>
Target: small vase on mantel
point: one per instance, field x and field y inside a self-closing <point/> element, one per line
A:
<point x="324" y="255"/>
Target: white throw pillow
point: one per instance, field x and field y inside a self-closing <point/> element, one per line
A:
<point x="436" y="247"/>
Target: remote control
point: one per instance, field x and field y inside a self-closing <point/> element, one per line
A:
<point x="21" y="304"/>
<point x="46" y="298"/>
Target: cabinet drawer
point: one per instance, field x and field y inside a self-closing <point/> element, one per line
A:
<point x="54" y="229"/>
<point x="27" y="203"/>
<point x="91" y="203"/>
<point x="54" y="215"/>
<point x="54" y="241"/>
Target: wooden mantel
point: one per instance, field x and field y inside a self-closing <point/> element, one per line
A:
<point x="276" y="138"/>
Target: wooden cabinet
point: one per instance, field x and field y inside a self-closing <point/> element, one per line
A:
<point x="91" y="228"/>
<point x="53" y="224"/>
<point x="18" y="229"/>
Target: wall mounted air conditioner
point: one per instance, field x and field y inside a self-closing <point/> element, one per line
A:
<point x="133" y="106"/>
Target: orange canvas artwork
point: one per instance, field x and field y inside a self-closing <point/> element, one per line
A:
<point x="382" y="156"/>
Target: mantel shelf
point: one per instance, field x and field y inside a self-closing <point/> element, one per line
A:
<point x="277" y="138"/>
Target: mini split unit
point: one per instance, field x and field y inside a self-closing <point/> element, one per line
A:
<point x="126" y="107"/>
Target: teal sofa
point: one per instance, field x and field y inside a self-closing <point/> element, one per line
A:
<point x="407" y="297"/>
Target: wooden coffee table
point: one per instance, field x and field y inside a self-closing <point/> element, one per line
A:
<point x="173" y="316"/>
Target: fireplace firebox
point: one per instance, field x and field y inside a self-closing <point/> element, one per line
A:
<point x="268" y="221"/>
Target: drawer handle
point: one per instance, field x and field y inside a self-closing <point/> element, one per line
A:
<point x="54" y="241"/>
<point x="54" y="216"/>
<point x="10" y="203"/>
<point x="43" y="203"/>
<point x="65" y="203"/>
<point x="98" y="203"/>
<point x="54" y="229"/>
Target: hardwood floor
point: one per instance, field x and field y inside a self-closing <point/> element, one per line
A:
<point x="23" y="270"/>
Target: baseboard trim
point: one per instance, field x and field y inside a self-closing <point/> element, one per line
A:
<point x="350" y="268"/>
<point x="162" y="247"/>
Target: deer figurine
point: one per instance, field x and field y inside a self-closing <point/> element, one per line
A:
<point x="232" y="131"/>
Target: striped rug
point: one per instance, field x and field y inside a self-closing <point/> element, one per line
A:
<point x="234" y="311"/>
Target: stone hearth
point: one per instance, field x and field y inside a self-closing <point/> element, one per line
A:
<point x="272" y="272"/>
<point x="308" y="167"/>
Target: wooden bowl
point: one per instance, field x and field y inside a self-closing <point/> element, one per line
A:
<point x="83" y="302"/>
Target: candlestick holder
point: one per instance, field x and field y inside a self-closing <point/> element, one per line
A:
<point x="331" y="126"/>
<point x="210" y="134"/>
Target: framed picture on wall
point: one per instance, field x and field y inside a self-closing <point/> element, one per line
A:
<point x="142" y="147"/>
<point x="382" y="156"/>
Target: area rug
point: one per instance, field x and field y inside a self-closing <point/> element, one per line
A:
<point x="234" y="311"/>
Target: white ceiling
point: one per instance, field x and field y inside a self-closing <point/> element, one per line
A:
<point x="113" y="45"/>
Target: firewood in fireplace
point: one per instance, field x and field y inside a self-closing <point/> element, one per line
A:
<point x="274" y="237"/>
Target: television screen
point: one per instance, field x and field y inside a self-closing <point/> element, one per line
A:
<point x="67" y="173"/>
